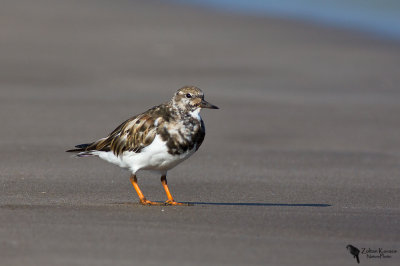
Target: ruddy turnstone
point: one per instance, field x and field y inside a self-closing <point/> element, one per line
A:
<point x="158" y="139"/>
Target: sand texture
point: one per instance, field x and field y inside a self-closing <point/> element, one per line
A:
<point x="302" y="159"/>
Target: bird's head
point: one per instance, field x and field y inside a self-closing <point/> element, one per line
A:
<point x="190" y="98"/>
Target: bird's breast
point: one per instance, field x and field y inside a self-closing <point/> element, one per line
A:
<point x="183" y="136"/>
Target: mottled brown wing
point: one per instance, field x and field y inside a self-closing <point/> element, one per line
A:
<point x="132" y="135"/>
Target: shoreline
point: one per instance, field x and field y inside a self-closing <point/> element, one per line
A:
<point x="364" y="21"/>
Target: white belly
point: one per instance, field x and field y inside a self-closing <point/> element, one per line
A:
<point x="153" y="157"/>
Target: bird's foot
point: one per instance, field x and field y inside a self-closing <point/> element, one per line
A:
<point x="174" y="203"/>
<point x="148" y="202"/>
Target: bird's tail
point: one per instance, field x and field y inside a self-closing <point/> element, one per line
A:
<point x="82" y="150"/>
<point x="357" y="258"/>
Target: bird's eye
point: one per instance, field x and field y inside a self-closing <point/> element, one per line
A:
<point x="188" y="95"/>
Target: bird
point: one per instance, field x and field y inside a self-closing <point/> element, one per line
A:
<point x="156" y="140"/>
<point x="354" y="251"/>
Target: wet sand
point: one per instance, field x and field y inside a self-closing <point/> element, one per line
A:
<point x="302" y="159"/>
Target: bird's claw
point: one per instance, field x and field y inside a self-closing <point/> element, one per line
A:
<point x="174" y="203"/>
<point x="148" y="202"/>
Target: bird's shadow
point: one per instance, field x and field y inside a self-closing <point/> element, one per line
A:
<point x="192" y="203"/>
<point x="259" y="204"/>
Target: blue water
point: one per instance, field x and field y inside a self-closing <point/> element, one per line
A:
<point x="379" y="17"/>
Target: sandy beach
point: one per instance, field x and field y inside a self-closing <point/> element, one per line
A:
<point x="302" y="159"/>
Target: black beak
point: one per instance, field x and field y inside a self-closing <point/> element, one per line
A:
<point x="205" y="104"/>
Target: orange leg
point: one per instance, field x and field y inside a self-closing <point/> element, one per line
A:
<point x="142" y="198"/>
<point x="170" y="200"/>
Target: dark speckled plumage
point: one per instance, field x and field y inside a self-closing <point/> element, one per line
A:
<point x="176" y="122"/>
